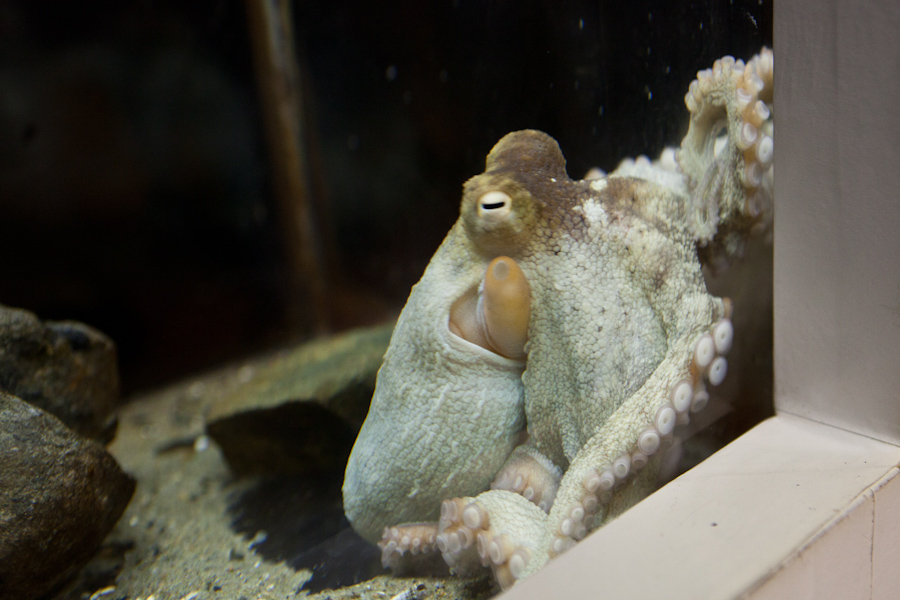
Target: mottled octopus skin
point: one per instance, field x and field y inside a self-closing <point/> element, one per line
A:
<point x="622" y="338"/>
<point x="445" y="414"/>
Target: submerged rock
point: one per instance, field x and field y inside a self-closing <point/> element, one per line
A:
<point x="300" y="410"/>
<point x="60" y="495"/>
<point x="66" y="368"/>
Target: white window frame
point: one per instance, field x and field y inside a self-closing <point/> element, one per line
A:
<point x="806" y="504"/>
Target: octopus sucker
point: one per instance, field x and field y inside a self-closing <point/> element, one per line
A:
<point x="765" y="150"/>
<point x="665" y="420"/>
<point x="518" y="562"/>
<point x="592" y="481"/>
<point x="649" y="441"/>
<point x="681" y="395"/>
<point x="723" y="335"/>
<point x="475" y="517"/>
<point x="639" y="461"/>
<point x="558" y="336"/>
<point x="412" y="538"/>
<point x="699" y="400"/>
<point x="499" y="549"/>
<point x="622" y="466"/>
<point x="704" y="351"/>
<point x="718" y="368"/>
<point x="749" y="133"/>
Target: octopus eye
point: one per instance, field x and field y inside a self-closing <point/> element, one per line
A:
<point x="494" y="207"/>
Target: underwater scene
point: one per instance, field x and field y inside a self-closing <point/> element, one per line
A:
<point x="362" y="300"/>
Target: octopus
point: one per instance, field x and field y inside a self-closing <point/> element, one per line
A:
<point x="557" y="337"/>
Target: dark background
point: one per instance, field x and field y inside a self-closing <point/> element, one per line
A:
<point x="135" y="191"/>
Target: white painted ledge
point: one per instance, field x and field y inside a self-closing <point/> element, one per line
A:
<point x="792" y="509"/>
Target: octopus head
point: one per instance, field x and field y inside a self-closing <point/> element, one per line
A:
<point x="502" y="208"/>
<point x="502" y="214"/>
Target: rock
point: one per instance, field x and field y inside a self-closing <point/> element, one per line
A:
<point x="65" y="368"/>
<point x="301" y="409"/>
<point x="60" y="495"/>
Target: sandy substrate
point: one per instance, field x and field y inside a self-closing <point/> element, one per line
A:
<point x="194" y="532"/>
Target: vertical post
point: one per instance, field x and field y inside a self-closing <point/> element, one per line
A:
<point x="271" y="33"/>
<point x="837" y="214"/>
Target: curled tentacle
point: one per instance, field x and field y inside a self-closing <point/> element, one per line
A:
<point x="531" y="474"/>
<point x="629" y="448"/>
<point x="410" y="547"/>
<point x="498" y="529"/>
<point x="735" y="169"/>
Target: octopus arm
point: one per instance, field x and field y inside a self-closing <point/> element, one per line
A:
<point x="727" y="153"/>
